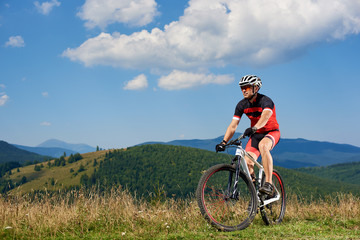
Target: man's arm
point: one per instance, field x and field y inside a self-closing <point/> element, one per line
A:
<point x="231" y="129"/>
<point x="264" y="118"/>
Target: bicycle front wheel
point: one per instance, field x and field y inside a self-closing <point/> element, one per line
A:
<point x="273" y="213"/>
<point x="224" y="207"/>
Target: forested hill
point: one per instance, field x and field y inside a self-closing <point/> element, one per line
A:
<point x="177" y="170"/>
<point x="346" y="172"/>
<point x="148" y="168"/>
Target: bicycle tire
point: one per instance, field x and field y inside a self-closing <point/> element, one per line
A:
<point x="274" y="212"/>
<point x="215" y="203"/>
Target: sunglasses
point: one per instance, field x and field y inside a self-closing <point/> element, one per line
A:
<point x="246" y="87"/>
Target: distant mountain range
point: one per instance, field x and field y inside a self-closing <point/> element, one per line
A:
<point x="290" y="153"/>
<point x="47" y="151"/>
<point x="50" y="148"/>
<point x="77" y="148"/>
<point x="10" y="153"/>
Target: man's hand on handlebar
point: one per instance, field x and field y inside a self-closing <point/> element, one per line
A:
<point x="221" y="146"/>
<point x="250" y="131"/>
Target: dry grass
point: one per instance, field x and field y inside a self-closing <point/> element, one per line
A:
<point x="341" y="207"/>
<point x="118" y="214"/>
<point x="76" y="213"/>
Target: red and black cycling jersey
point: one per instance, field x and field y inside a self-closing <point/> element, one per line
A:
<point x="254" y="111"/>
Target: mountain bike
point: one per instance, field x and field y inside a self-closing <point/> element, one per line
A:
<point x="229" y="198"/>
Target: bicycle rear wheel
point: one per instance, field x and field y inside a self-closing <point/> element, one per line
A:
<point x="218" y="204"/>
<point x="273" y="213"/>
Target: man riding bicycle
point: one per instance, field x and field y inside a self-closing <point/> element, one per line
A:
<point x="264" y="132"/>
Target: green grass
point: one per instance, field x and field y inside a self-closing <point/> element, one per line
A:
<point x="118" y="215"/>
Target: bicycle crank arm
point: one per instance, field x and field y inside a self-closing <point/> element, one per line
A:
<point x="268" y="201"/>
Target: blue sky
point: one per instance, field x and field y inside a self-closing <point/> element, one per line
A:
<point x="118" y="73"/>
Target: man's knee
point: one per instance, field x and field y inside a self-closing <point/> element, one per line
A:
<point x="265" y="145"/>
<point x="248" y="161"/>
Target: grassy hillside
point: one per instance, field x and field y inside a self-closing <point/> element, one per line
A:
<point x="55" y="177"/>
<point x="166" y="170"/>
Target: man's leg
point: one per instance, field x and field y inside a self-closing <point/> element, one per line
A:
<point x="265" y="146"/>
<point x="251" y="163"/>
<point x="254" y="152"/>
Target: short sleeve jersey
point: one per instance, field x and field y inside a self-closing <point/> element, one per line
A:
<point x="254" y="110"/>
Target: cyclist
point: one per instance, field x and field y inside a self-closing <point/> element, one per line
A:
<point x="264" y="132"/>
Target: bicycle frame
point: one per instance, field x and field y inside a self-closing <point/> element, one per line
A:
<point x="230" y="202"/>
<point x="240" y="158"/>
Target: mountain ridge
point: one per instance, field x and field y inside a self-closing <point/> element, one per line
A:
<point x="289" y="153"/>
<point x="47" y="151"/>
<point x="9" y="153"/>
<point x="77" y="147"/>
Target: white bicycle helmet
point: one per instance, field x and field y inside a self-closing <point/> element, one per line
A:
<point x="250" y="80"/>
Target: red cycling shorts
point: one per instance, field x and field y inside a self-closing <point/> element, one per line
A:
<point x="253" y="143"/>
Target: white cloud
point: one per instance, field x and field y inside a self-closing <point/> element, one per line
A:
<point x="100" y="13"/>
<point x="45" y="94"/>
<point x="138" y="83"/>
<point x="15" y="41"/>
<point x="214" y="33"/>
<point x="218" y="32"/>
<point x="46" y="7"/>
<point x="46" y="124"/>
<point x="181" y="80"/>
<point x="3" y="99"/>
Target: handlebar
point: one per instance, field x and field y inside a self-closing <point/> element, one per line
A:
<point x="236" y="141"/>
